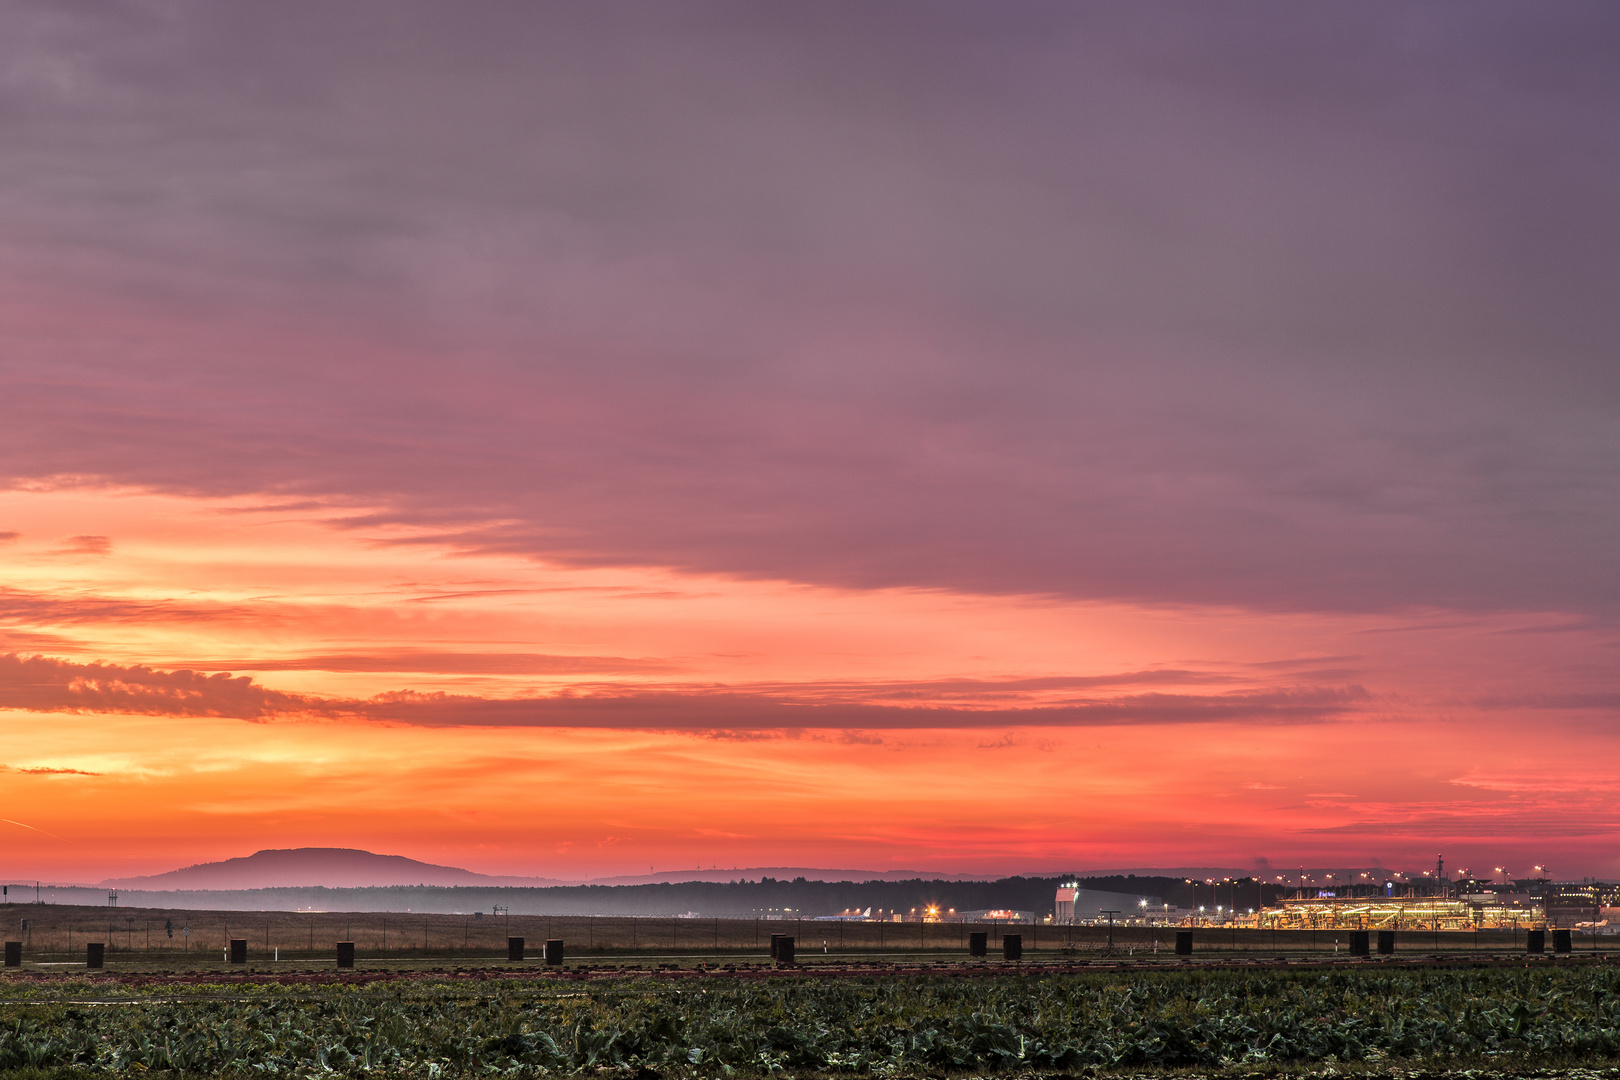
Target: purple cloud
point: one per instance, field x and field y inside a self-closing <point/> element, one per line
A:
<point x="43" y="609"/>
<point x="43" y="684"/>
<point x="84" y="545"/>
<point x="1276" y="307"/>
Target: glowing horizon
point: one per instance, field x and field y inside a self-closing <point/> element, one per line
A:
<point x="737" y="719"/>
<point x="1057" y="442"/>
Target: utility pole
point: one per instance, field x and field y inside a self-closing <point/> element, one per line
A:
<point x="1231" y="913"/>
<point x="1110" y="913"/>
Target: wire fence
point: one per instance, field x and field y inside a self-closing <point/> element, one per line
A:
<point x="60" y="934"/>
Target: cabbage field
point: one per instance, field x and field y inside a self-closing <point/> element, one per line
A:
<point x="444" y="1025"/>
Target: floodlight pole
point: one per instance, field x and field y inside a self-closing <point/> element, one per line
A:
<point x="1110" y="913"/>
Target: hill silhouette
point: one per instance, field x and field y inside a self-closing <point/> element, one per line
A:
<point x="333" y="868"/>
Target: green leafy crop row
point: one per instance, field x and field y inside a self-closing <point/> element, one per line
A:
<point x="720" y="1027"/>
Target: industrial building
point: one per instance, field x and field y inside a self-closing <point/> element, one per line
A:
<point x="1363" y="902"/>
<point x="1074" y="904"/>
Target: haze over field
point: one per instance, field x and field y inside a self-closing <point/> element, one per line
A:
<point x="566" y="442"/>
<point x="346" y="879"/>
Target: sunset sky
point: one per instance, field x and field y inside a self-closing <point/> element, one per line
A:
<point x="568" y="439"/>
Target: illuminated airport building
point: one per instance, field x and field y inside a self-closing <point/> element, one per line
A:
<point x="1074" y="904"/>
<point x="1587" y="907"/>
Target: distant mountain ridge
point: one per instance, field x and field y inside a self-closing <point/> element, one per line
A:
<point x="355" y="868"/>
<point x="334" y="868"/>
<point x="744" y="896"/>
<point x="781" y="873"/>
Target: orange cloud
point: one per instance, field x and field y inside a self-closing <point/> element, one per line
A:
<point x="241" y="675"/>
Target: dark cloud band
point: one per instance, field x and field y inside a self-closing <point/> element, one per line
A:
<point x="42" y="684"/>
